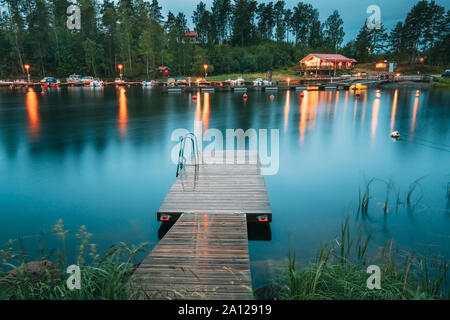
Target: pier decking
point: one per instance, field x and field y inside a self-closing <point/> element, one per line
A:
<point x="226" y="182"/>
<point x="205" y="253"/>
<point x="202" y="256"/>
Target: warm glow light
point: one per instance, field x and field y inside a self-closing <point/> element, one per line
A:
<point x="33" y="114"/>
<point x="394" y="109"/>
<point x="354" y="112"/>
<point x="398" y="74"/>
<point x="308" y="111"/>
<point x="303" y="113"/>
<point x="336" y="104"/>
<point x="205" y="66"/>
<point x="363" y="113"/>
<point x="345" y="104"/>
<point x="27" y="67"/>
<point x="120" y="66"/>
<point x="205" y="117"/>
<point x="198" y="107"/>
<point x="287" y="106"/>
<point x="375" y="110"/>
<point x="414" y="119"/>
<point x="380" y="65"/>
<point x="123" y="112"/>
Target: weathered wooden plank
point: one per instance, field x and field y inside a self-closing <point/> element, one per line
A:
<point x="220" y="186"/>
<point x="201" y="257"/>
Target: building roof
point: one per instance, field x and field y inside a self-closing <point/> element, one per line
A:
<point x="330" y="57"/>
<point x="191" y="34"/>
<point x="163" y="68"/>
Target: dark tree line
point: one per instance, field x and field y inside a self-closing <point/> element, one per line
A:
<point x="423" y="34"/>
<point x="234" y="36"/>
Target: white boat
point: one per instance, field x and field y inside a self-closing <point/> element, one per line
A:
<point x="395" y="134"/>
<point x="74" y="79"/>
<point x="147" y="83"/>
<point x="87" y="80"/>
<point x="258" y="82"/>
<point x="239" y="82"/>
<point x="96" y="83"/>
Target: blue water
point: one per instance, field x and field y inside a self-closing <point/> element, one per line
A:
<point x="102" y="158"/>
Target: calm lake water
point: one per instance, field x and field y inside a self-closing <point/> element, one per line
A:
<point x="101" y="158"/>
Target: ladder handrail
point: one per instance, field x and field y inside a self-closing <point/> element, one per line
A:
<point x="181" y="158"/>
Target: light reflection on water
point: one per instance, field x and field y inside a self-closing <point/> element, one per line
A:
<point x="33" y="115"/>
<point x="102" y="158"/>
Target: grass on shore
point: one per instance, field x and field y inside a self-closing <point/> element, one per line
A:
<point x="441" y="82"/>
<point x="339" y="272"/>
<point x="105" y="277"/>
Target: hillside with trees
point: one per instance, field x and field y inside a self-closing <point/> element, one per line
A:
<point x="237" y="36"/>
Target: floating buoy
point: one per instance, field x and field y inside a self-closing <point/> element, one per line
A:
<point x="272" y="96"/>
<point x="194" y="97"/>
<point x="358" y="94"/>
<point x="395" y="134"/>
<point x="302" y="95"/>
<point x="245" y="96"/>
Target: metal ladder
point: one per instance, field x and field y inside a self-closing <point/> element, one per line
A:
<point x="195" y="155"/>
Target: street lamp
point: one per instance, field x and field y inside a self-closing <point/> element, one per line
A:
<point x="120" y="69"/>
<point x="27" y="67"/>
<point x="205" y="66"/>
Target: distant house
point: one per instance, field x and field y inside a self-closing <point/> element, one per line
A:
<point x="191" y="36"/>
<point x="326" y="62"/>
<point x="164" y="71"/>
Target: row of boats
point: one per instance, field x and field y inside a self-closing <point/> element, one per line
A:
<point x="88" y="81"/>
<point x="171" y="82"/>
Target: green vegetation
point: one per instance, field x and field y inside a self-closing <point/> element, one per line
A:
<point x="441" y="82"/>
<point x="340" y="272"/>
<point x="234" y="37"/>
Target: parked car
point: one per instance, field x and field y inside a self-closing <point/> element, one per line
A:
<point x="446" y="73"/>
<point x="50" y="82"/>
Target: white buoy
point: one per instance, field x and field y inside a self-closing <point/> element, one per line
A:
<point x="395" y="134"/>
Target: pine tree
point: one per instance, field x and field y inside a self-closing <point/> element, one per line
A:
<point x="334" y="30"/>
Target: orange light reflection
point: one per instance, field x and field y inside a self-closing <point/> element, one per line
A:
<point x="287" y="106"/>
<point x="205" y="116"/>
<point x="308" y="111"/>
<point x="375" y="110"/>
<point x="394" y="109"/>
<point x="416" y="106"/>
<point x="123" y="112"/>
<point x="32" y="104"/>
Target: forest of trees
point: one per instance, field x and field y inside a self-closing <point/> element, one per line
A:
<point x="235" y="36"/>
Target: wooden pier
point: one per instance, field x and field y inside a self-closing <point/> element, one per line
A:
<point x="205" y="253"/>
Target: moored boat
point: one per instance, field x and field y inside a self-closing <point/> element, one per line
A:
<point x="50" y="82"/>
